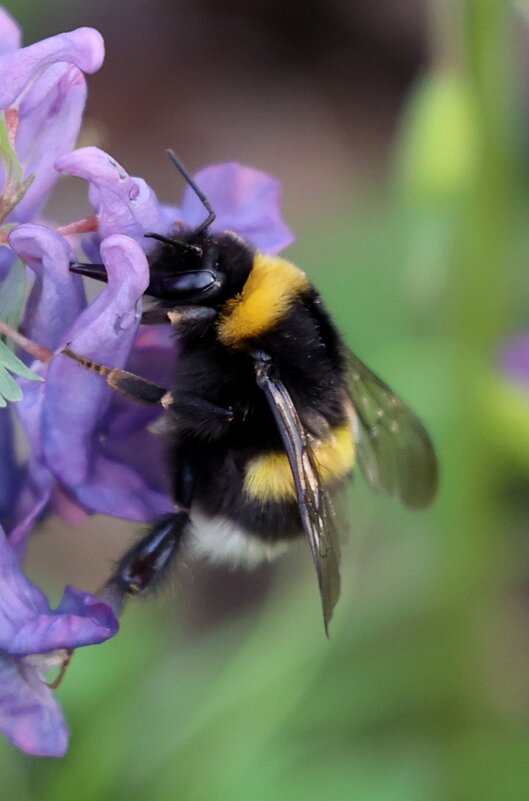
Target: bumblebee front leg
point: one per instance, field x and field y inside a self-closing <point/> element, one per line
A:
<point x="191" y="315"/>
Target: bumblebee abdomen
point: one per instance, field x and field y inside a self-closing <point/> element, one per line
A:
<point x="268" y="476"/>
<point x="221" y="494"/>
<point x="252" y="490"/>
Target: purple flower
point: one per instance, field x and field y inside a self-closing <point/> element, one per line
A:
<point x="34" y="638"/>
<point x="515" y="359"/>
<point x="87" y="440"/>
<point x="9" y="33"/>
<point x="245" y="200"/>
<point x="9" y="472"/>
<point x="124" y="205"/>
<point x="42" y="97"/>
<point x="43" y="88"/>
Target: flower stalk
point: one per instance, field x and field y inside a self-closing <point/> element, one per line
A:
<point x="39" y="352"/>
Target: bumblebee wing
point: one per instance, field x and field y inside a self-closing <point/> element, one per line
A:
<point x="314" y="503"/>
<point x="394" y="450"/>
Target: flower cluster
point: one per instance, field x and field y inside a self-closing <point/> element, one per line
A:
<point x="33" y="638"/>
<point x="88" y="448"/>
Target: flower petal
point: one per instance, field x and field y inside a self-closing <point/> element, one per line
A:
<point x="20" y="599"/>
<point x="68" y="508"/>
<point x="37" y="481"/>
<point x="9" y="470"/>
<point x="83" y="48"/>
<point x="10" y="35"/>
<point x="50" y="116"/>
<point x="29" y="626"/>
<point x="6" y="261"/>
<point x="57" y="296"/>
<point x="54" y="304"/>
<point x="32" y="499"/>
<point x="245" y="200"/>
<point x="30" y="717"/>
<point x="77" y="402"/>
<point x="125" y="205"/>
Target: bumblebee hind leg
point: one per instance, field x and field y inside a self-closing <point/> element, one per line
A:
<point x="140" y="568"/>
<point x="143" y="564"/>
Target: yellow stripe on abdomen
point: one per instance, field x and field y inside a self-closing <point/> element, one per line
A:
<point x="267" y="295"/>
<point x="269" y="477"/>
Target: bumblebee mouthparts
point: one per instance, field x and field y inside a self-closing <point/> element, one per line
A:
<point x="97" y="271"/>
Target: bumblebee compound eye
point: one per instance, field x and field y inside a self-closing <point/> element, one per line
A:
<point x="184" y="286"/>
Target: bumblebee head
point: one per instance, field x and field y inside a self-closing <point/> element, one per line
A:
<point x="191" y="266"/>
<point x="199" y="268"/>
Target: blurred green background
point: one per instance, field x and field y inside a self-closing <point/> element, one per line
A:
<point x="399" y="131"/>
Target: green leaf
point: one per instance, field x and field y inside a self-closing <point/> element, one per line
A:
<point x="11" y="303"/>
<point x="10" y="391"/>
<point x="13" y="363"/>
<point x="8" y="156"/>
<point x="15" y="186"/>
<point x="12" y="296"/>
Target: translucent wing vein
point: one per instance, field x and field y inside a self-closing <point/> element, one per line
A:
<point x="394" y="451"/>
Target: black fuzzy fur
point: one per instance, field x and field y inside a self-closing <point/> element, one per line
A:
<point x="308" y="356"/>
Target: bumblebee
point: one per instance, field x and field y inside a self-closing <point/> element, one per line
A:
<point x="269" y="415"/>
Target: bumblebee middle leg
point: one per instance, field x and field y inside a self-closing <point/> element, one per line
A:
<point x="207" y="420"/>
<point x="197" y="415"/>
<point x="129" y="384"/>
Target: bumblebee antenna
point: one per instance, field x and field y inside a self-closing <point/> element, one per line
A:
<point x="167" y="240"/>
<point x="161" y="238"/>
<point x="198" y="192"/>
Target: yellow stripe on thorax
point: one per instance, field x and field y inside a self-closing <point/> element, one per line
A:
<point x="269" y="477"/>
<point x="269" y="290"/>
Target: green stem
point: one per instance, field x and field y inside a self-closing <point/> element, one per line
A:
<point x="480" y="279"/>
<point x="473" y="564"/>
